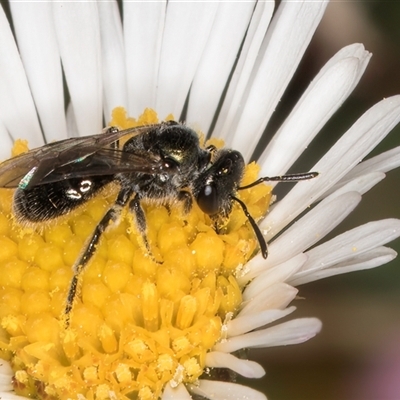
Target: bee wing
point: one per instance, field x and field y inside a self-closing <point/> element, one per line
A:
<point x="48" y="163"/>
<point x="105" y="162"/>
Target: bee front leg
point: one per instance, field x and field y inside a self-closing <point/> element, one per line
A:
<point x="187" y="200"/>
<point x="111" y="215"/>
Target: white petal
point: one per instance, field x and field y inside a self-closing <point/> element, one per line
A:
<point x="78" y="34"/>
<point x="10" y="396"/>
<point x="113" y="57"/>
<point x="313" y="226"/>
<point x="243" y="70"/>
<point x="249" y="369"/>
<point x="5" y="384"/>
<point x="6" y="143"/>
<point x="248" y="322"/>
<point x="217" y="61"/>
<point x="71" y="121"/>
<point x="17" y="110"/>
<point x="358" y="141"/>
<point x="318" y="103"/>
<point x="34" y="29"/>
<point x="360" y="184"/>
<point x="187" y="28"/>
<point x="6" y="374"/>
<point x="350" y="244"/>
<point x="368" y="260"/>
<point x="279" y="273"/>
<point x="290" y="332"/>
<point x="142" y="52"/>
<point x="308" y="230"/>
<point x="176" y="393"/>
<point x="217" y="390"/>
<point x="278" y="295"/>
<point x="383" y="163"/>
<point x="293" y="24"/>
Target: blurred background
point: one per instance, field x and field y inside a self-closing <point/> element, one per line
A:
<point x="357" y="354"/>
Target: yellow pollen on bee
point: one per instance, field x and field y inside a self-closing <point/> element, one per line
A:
<point x="141" y="321"/>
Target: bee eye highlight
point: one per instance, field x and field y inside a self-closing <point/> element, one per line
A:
<point x="207" y="199"/>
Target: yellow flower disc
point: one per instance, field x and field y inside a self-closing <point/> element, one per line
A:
<point x="140" y="321"/>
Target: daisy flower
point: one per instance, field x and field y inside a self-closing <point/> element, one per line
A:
<point x="169" y="329"/>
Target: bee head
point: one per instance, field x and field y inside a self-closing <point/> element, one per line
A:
<point x="214" y="188"/>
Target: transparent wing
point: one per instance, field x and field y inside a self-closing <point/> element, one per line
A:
<point x="78" y="157"/>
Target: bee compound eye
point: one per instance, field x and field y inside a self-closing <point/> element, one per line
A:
<point x="207" y="199"/>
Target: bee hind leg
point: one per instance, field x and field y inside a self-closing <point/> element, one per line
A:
<point x="110" y="216"/>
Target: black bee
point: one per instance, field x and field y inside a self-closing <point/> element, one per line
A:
<point x="162" y="162"/>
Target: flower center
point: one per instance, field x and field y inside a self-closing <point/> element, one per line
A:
<point x="141" y="321"/>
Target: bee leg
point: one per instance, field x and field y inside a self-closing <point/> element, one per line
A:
<point x="136" y="209"/>
<point x="218" y="223"/>
<point x="187" y="200"/>
<point x="110" y="216"/>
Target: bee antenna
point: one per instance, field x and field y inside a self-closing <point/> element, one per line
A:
<point x="256" y="229"/>
<point x="282" y="178"/>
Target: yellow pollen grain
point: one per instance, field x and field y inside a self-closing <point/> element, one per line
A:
<point x="192" y="368"/>
<point x="181" y="346"/>
<point x="123" y="373"/>
<point x="141" y="320"/>
<point x="12" y="325"/>
<point x="21" y="376"/>
<point x="138" y="349"/>
<point x="165" y="362"/>
<point x="146" y="393"/>
<point x="90" y="374"/>
<point x="103" y="392"/>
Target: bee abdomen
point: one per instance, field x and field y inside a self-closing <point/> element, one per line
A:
<point x="45" y="202"/>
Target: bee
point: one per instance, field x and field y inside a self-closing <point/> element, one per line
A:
<point x="162" y="162"/>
